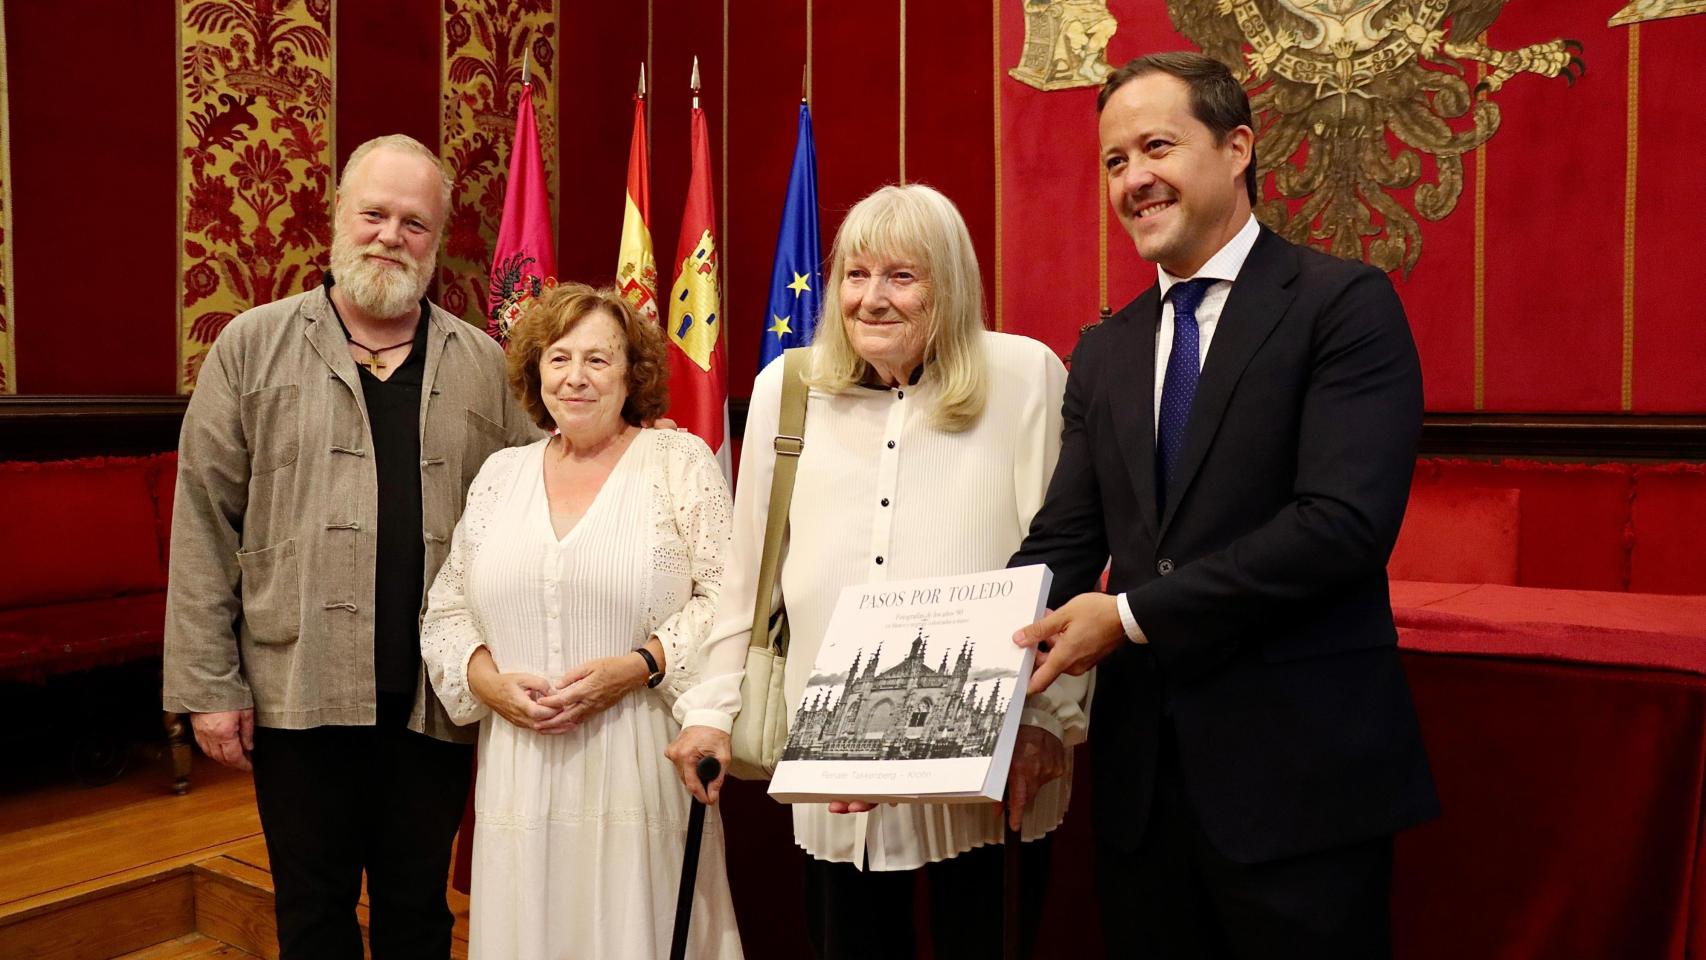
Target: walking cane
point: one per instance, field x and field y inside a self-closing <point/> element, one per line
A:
<point x="708" y="770"/>
<point x="1010" y="895"/>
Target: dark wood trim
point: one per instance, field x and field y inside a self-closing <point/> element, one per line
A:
<point x="66" y="426"/>
<point x="56" y="427"/>
<point x="1565" y="436"/>
<point x="1532" y="436"/>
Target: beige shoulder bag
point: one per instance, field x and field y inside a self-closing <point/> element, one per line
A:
<point x="761" y="728"/>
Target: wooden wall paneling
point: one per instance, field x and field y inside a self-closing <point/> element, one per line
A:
<point x="56" y="427"/>
<point x="767" y="58"/>
<point x="93" y="194"/>
<point x="1594" y="438"/>
<point x="1555" y="181"/>
<point x="602" y="46"/>
<point x="1666" y="317"/>
<point x="387" y="70"/>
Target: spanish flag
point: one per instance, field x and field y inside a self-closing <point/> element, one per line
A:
<point x="698" y="366"/>
<point x="636" y="270"/>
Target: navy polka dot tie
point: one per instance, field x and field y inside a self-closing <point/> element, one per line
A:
<point x="1179" y="386"/>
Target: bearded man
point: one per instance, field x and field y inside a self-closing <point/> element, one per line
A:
<point x="322" y="466"/>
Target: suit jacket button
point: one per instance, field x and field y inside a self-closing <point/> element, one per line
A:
<point x="1164" y="567"/>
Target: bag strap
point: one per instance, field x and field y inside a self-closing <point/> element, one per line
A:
<point x="789" y="443"/>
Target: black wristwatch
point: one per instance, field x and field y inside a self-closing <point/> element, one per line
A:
<point x="654" y="676"/>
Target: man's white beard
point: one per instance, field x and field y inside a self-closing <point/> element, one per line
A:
<point x="380" y="290"/>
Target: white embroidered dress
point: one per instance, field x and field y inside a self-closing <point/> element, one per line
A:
<point x="578" y="845"/>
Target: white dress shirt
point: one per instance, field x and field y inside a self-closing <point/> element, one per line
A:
<point x="883" y="494"/>
<point x="1223" y="268"/>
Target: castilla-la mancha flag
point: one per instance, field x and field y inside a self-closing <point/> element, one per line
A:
<point x="524" y="261"/>
<point x="636" y="271"/>
<point x="698" y="361"/>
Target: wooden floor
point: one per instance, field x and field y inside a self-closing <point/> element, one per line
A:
<point x="130" y="870"/>
<point x="188" y="947"/>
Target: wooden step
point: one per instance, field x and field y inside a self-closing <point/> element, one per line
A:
<point x="247" y="863"/>
<point x="234" y="904"/>
<point x="190" y="946"/>
<point x="104" y="922"/>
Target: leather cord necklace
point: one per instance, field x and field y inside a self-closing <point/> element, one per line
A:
<point x="373" y="362"/>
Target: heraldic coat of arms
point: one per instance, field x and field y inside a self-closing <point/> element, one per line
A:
<point x="1331" y="78"/>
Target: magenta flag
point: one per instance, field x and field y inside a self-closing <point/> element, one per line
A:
<point x="524" y="261"/>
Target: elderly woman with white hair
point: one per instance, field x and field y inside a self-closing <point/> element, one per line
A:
<point x="929" y="442"/>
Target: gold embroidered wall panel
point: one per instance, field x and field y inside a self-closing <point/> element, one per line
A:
<point x="485" y="45"/>
<point x="255" y="175"/>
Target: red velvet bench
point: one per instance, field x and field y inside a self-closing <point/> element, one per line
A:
<point x="1636" y="528"/>
<point x="85" y="584"/>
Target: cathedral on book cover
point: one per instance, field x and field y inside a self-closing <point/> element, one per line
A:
<point x="911" y="711"/>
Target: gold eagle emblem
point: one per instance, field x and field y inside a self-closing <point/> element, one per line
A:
<point x="1349" y="93"/>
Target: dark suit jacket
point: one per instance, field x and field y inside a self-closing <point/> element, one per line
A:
<point x="1261" y="584"/>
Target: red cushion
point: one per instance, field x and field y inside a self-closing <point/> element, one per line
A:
<point x="1575" y="517"/>
<point x="1668" y="554"/>
<point x="78" y="529"/>
<point x="59" y="637"/>
<point x="1456" y="533"/>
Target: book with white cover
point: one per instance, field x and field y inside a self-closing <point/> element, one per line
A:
<point x="916" y="692"/>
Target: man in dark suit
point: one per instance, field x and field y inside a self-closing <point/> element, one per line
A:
<point x="1239" y="440"/>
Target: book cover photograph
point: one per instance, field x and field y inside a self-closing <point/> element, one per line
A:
<point x="916" y="691"/>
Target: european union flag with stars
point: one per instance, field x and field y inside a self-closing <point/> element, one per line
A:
<point x="796" y="276"/>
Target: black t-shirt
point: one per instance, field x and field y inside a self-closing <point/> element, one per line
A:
<point x="399" y="575"/>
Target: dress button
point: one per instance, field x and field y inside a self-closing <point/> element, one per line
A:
<point x="1164" y="567"/>
<point x="879" y="561"/>
<point x="902" y="395"/>
<point x="885" y="501"/>
<point x="891" y="444"/>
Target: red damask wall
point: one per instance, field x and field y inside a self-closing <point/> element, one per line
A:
<point x="1556" y="283"/>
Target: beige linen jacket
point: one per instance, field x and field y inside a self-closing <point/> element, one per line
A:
<point x="270" y="598"/>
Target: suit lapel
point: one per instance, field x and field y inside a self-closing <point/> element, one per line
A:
<point x="1132" y="404"/>
<point x="1258" y="300"/>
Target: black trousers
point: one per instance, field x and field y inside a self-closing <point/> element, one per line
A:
<point x="854" y="914"/>
<point x="1177" y="898"/>
<point x="335" y="801"/>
